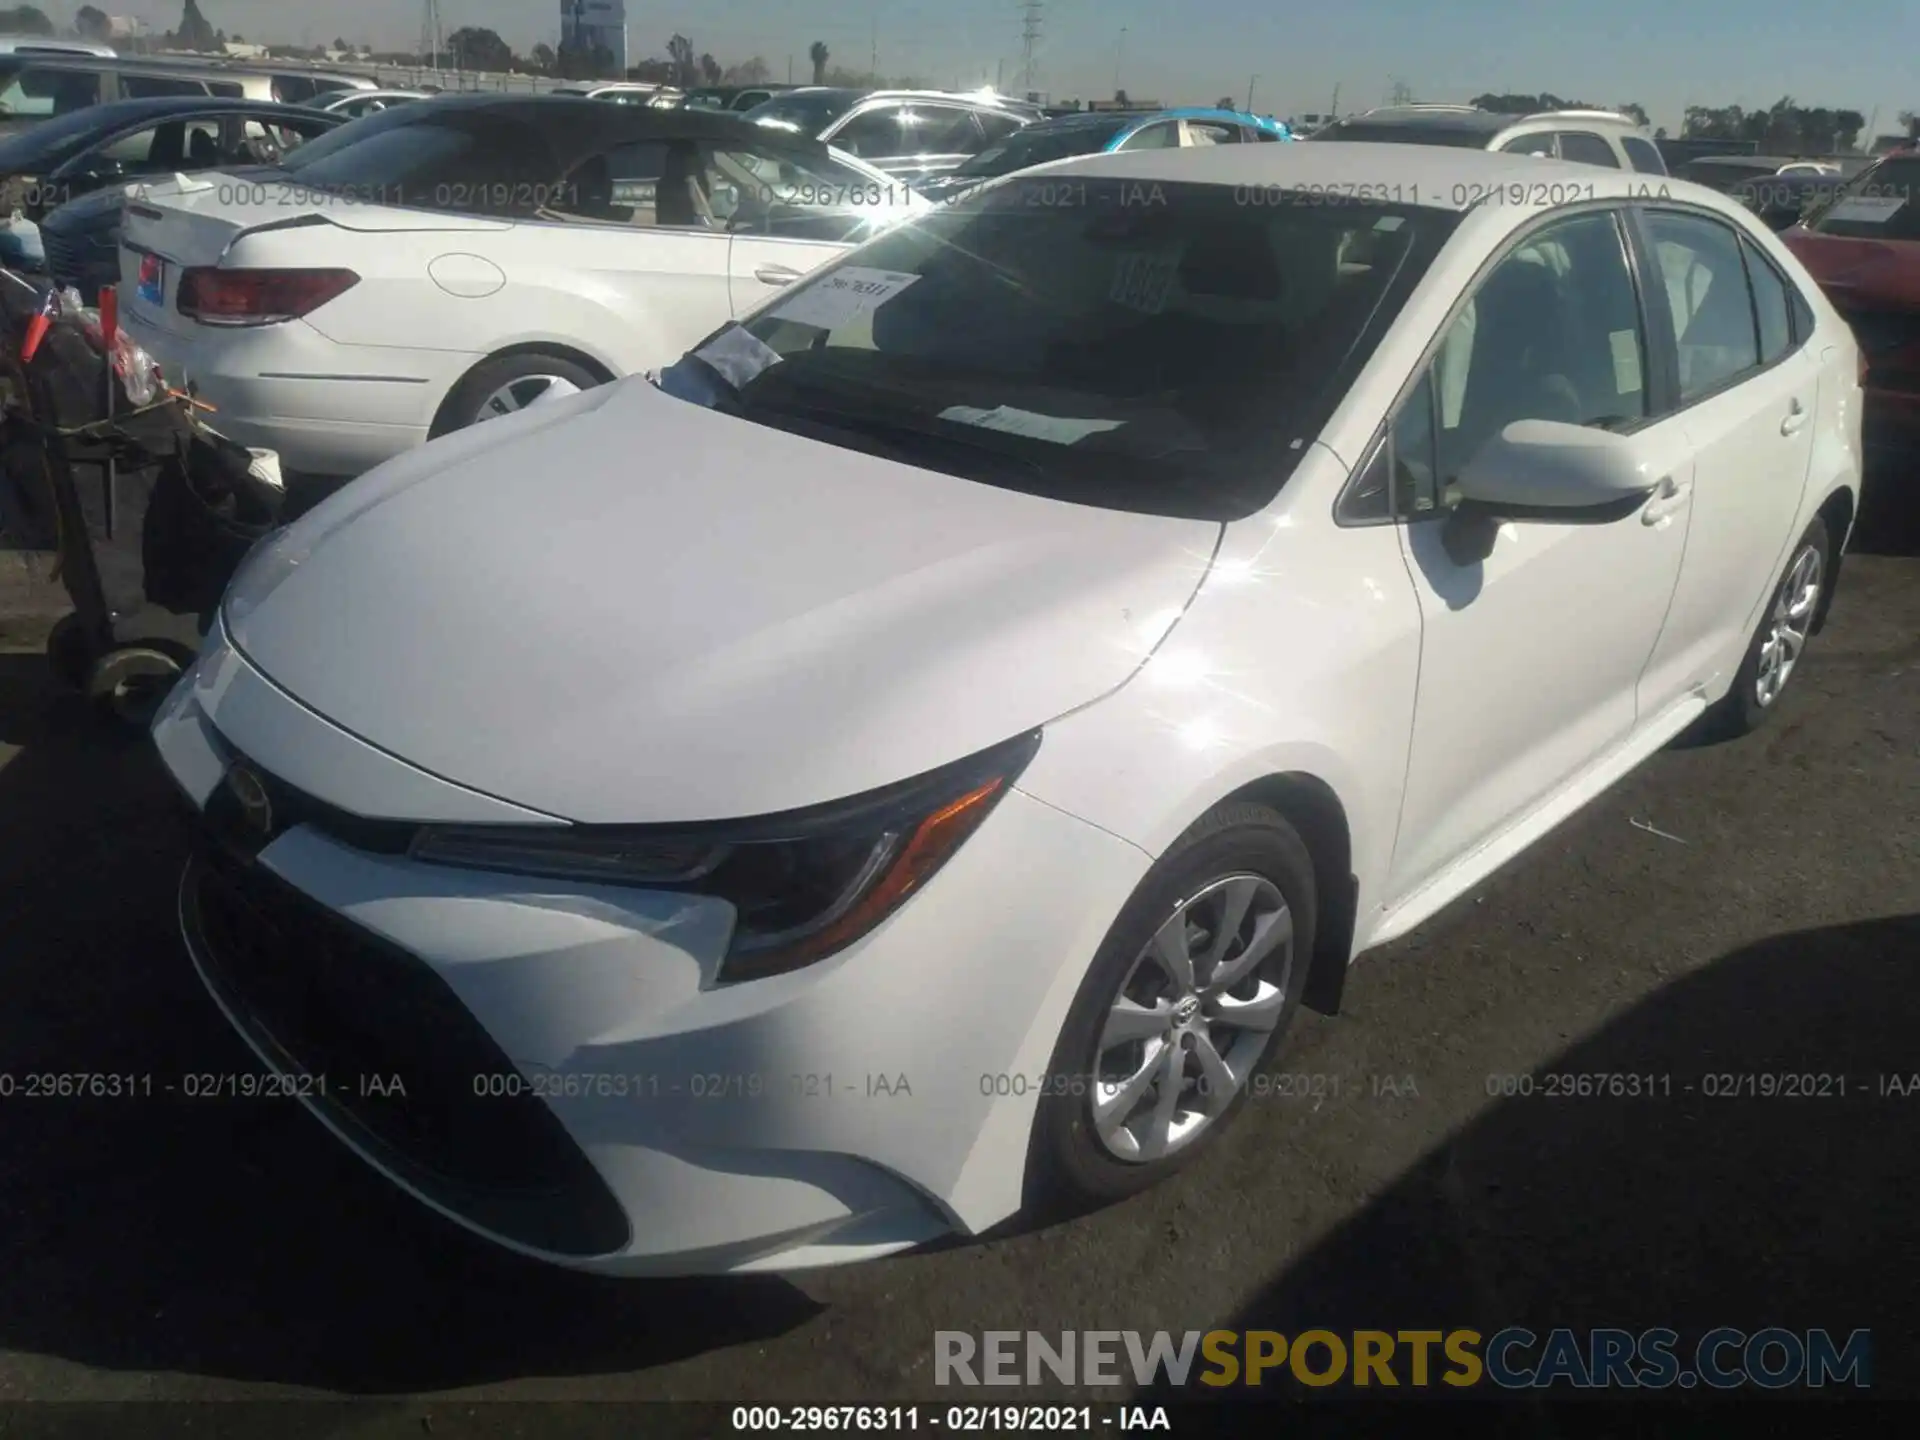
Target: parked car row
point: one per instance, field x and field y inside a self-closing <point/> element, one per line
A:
<point x="911" y="760"/>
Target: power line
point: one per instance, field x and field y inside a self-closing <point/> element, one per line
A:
<point x="1029" y="38"/>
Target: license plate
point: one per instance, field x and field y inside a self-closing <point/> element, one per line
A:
<point x="153" y="281"/>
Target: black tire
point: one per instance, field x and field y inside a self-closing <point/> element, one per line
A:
<point x="1070" y="1168"/>
<point x="463" y="404"/>
<point x="129" y="683"/>
<point x="69" y="652"/>
<point x="1746" y="707"/>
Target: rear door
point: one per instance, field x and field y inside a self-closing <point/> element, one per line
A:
<point x="1747" y="392"/>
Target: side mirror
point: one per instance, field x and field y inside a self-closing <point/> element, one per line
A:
<point x="1548" y="465"/>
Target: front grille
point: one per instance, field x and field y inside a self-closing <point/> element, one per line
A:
<point x="399" y="1055"/>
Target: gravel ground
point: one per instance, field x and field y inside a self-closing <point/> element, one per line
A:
<point x="1767" y="922"/>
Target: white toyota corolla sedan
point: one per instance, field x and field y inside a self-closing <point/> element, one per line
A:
<point x="1033" y="658"/>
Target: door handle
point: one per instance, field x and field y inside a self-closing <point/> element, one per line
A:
<point x="1668" y="498"/>
<point x="1796" y="419"/>
<point x="776" y="274"/>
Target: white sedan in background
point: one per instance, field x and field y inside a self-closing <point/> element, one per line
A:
<point x="437" y="264"/>
<point x="917" y="759"/>
<point x="354" y="104"/>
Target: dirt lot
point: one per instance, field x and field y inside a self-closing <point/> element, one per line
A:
<point x="1767" y="922"/>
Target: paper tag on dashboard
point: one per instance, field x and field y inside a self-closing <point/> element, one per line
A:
<point x="1030" y="423"/>
<point x="736" y="355"/>
<point x="841" y="297"/>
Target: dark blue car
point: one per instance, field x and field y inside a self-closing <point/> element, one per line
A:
<point x="1099" y="131"/>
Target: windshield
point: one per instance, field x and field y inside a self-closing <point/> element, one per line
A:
<point x="1161" y="348"/>
<point x="467" y="161"/>
<point x="809" y="114"/>
<point x="1386" y="132"/>
<point x="1881" y="203"/>
<point x="1025" y="148"/>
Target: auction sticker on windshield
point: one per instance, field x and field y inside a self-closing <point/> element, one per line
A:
<point x="842" y="297"/>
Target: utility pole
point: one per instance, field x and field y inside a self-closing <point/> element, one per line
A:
<point x="873" y="54"/>
<point x="1119" y="53"/>
<point x="1029" y="37"/>
<point x="430" y="37"/>
<point x="1333" y="110"/>
<point x="789" y="70"/>
<point x="1250" y="94"/>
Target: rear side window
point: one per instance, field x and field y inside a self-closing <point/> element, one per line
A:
<point x="36" y="91"/>
<point x="294" y="89"/>
<point x="149" y="87"/>
<point x="876" y="135"/>
<point x="1771" y="306"/>
<point x="1584" y="148"/>
<point x="996" y="127"/>
<point x="1164" y="135"/>
<point x="1541" y="144"/>
<point x="466" y="163"/>
<point x="1707" y="295"/>
<point x="1644" y="155"/>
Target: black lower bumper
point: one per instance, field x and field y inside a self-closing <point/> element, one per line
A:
<point x="387" y="1053"/>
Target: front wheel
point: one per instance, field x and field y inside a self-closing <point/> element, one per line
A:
<point x="1773" y="655"/>
<point x="507" y="384"/>
<point x="1186" y="1001"/>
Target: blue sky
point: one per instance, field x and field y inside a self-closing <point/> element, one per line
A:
<point x="1663" y="53"/>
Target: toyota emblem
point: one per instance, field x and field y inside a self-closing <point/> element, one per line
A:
<point x="256" y="807"/>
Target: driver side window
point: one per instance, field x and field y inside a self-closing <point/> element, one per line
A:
<point x="779" y="194"/>
<point x="1552" y="333"/>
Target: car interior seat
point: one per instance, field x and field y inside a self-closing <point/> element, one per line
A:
<point x="681" y="197"/>
<point x="1520" y="362"/>
<point x="203" y="151"/>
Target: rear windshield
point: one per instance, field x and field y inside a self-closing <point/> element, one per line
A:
<point x="809" y="114"/>
<point x="1881" y="203"/>
<point x="468" y="162"/>
<point x="1385" y="131"/>
<point x="1036" y="147"/>
<point x="1163" y="348"/>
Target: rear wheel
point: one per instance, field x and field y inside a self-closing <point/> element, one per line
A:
<point x="1186" y="1001"/>
<point x="1774" y="653"/>
<point x="507" y="384"/>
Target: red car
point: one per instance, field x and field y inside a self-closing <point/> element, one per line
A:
<point x="1864" y="249"/>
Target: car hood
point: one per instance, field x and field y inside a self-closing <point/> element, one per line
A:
<point x="1860" y="272"/>
<point x="622" y="607"/>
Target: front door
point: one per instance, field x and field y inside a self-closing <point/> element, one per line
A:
<point x="1530" y="655"/>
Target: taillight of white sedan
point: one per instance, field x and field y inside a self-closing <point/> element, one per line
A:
<point x="1037" y="654"/>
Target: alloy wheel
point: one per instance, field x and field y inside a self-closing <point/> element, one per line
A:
<point x="1192" y="1019"/>
<point x="1789" y="625"/>
<point x="519" y="393"/>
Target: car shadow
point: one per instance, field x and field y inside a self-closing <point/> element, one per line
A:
<point x="1677" y="1209"/>
<point x="147" y="1231"/>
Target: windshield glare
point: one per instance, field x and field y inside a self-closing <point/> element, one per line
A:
<point x="1160" y="349"/>
<point x="810" y="114"/>
<point x="1037" y="147"/>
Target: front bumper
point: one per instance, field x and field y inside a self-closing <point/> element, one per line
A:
<point x="572" y="1084"/>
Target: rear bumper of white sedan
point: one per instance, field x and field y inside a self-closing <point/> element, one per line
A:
<point x="327" y="408"/>
<point x="551" y="1065"/>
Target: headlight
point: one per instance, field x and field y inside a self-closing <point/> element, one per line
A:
<point x="803" y="885"/>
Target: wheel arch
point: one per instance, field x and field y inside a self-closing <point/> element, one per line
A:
<point x="554" y="349"/>
<point x="1313" y="808"/>
<point x="1837" y="513"/>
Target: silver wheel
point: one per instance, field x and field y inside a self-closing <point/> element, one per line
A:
<point x="1193" y="1018"/>
<point x="519" y="393"/>
<point x="1789" y="625"/>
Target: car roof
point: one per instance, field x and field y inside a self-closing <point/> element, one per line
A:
<point x="582" y="122"/>
<point x="114" y="115"/>
<point x="1438" y="177"/>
